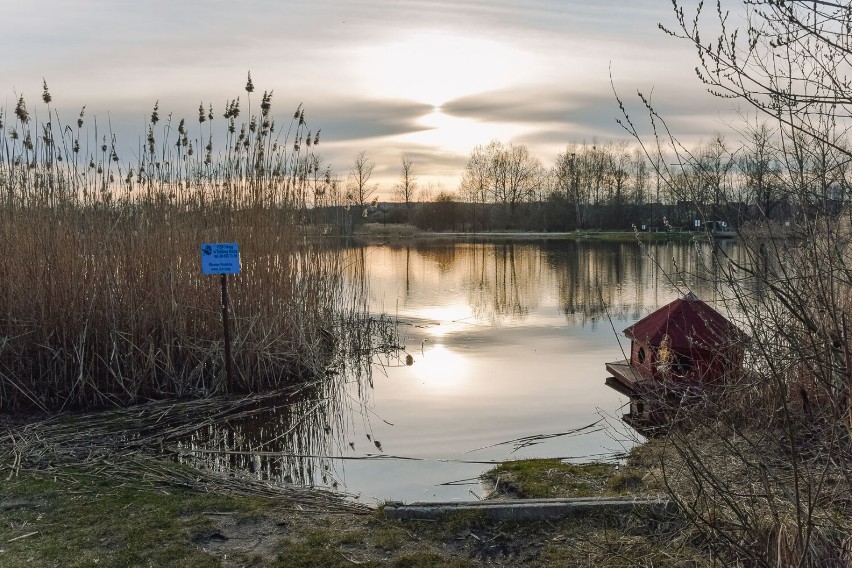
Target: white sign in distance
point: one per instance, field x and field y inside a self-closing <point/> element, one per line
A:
<point x="220" y="258"/>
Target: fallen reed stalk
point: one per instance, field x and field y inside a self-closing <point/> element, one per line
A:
<point x="129" y="443"/>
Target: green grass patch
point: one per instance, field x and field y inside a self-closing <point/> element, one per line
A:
<point x="551" y="478"/>
<point x="79" y="520"/>
<point x="310" y="555"/>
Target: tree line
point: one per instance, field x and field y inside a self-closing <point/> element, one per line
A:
<point x="599" y="186"/>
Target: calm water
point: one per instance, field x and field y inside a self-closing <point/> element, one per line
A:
<point x="508" y="341"/>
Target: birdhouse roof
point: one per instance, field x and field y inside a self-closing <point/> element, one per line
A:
<point x="689" y="323"/>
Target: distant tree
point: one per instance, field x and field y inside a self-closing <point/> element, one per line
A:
<point x="474" y="184"/>
<point x="640" y="175"/>
<point x="440" y="213"/>
<point x="509" y="175"/>
<point x="704" y="177"/>
<point x="567" y="177"/>
<point x="550" y="203"/>
<point x="427" y="192"/>
<point x="594" y="164"/>
<point x="715" y="165"/>
<point x="619" y="163"/>
<point x="447" y="210"/>
<point x="758" y="164"/>
<point x="519" y="177"/>
<point x="585" y="174"/>
<point x="406" y="188"/>
<point x="360" y="190"/>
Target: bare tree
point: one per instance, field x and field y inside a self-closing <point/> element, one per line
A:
<point x="640" y="175"/>
<point x="475" y="183"/>
<point x="359" y="186"/>
<point x="619" y="170"/>
<point x="759" y="165"/>
<point x="509" y="175"/>
<point x="406" y="188"/>
<point x="585" y="173"/>
<point x="518" y="176"/>
<point x="715" y="164"/>
<point x="568" y="181"/>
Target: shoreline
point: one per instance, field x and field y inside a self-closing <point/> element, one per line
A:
<point x="72" y="516"/>
<point x="615" y="236"/>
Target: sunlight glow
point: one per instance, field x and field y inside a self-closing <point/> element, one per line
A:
<point x="447" y="319"/>
<point x="435" y="67"/>
<point x="459" y="135"/>
<point x="441" y="370"/>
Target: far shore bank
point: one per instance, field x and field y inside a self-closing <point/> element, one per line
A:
<point x="378" y="231"/>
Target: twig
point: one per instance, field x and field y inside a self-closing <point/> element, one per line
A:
<point x="22" y="536"/>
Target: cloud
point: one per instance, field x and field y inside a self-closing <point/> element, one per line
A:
<point x="527" y="104"/>
<point x="348" y="120"/>
<point x="345" y="60"/>
<point x="552" y="109"/>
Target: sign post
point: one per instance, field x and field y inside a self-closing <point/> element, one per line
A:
<point x="224" y="259"/>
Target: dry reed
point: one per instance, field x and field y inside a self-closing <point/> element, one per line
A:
<point x="101" y="297"/>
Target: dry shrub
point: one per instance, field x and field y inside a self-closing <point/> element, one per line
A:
<point x="760" y="464"/>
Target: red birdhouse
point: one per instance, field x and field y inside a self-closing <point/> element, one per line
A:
<point x="684" y="344"/>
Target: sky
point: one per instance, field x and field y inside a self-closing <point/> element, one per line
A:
<point x="428" y="79"/>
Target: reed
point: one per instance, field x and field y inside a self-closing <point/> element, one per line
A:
<point x="102" y="300"/>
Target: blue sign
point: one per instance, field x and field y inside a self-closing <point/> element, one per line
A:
<point x="220" y="258"/>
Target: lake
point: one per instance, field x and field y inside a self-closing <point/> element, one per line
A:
<point x="504" y="350"/>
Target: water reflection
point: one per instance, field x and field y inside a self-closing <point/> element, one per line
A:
<point x="294" y="436"/>
<point x="284" y="440"/>
<point x="504" y="281"/>
<point x="505" y="339"/>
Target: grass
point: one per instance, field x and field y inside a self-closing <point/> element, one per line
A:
<point x="68" y="518"/>
<point x="102" y="522"/>
<point x="551" y="478"/>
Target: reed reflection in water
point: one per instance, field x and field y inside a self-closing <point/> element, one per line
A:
<point x="507" y="340"/>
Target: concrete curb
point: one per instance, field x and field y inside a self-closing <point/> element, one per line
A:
<point x="529" y="509"/>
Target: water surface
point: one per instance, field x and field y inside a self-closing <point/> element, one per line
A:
<point x="503" y="341"/>
<point x="508" y="340"/>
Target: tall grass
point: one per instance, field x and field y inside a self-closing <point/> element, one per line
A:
<point x="102" y="300"/>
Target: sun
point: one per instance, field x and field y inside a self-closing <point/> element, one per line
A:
<point x="459" y="134"/>
<point x="434" y="67"/>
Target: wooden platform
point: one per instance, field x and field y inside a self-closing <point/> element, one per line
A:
<point x="645" y="415"/>
<point x="532" y="509"/>
<point x="625" y="379"/>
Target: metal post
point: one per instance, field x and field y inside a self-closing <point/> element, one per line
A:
<point x="229" y="363"/>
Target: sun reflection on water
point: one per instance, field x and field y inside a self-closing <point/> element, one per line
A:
<point x="440" y="321"/>
<point x="441" y="371"/>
